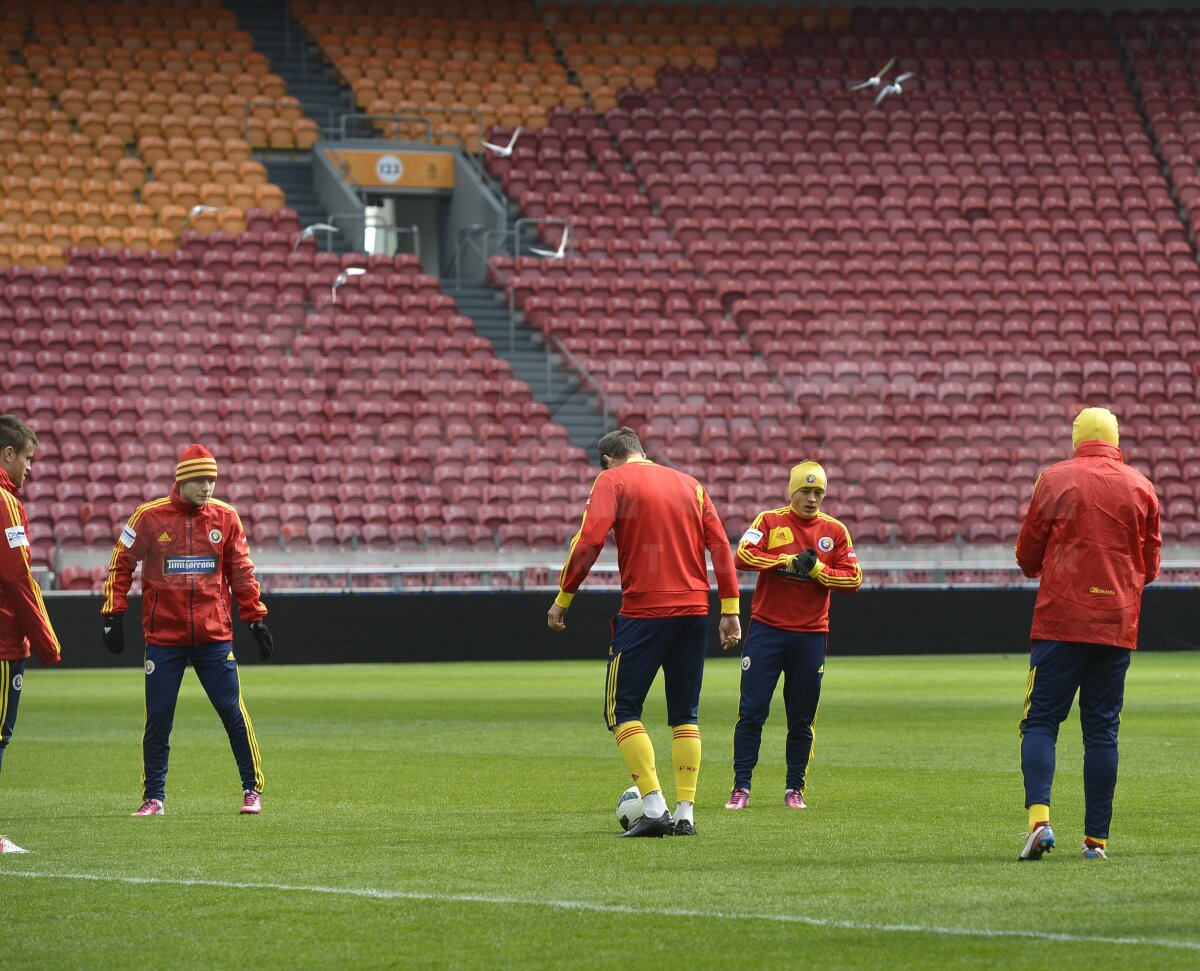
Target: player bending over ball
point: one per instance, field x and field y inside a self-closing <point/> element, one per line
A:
<point x="800" y="554"/>
<point x="194" y="554"/>
<point x="663" y="520"/>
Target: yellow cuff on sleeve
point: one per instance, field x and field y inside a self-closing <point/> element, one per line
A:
<point x="817" y="568"/>
<point x="564" y="599"/>
<point x="730" y="605"/>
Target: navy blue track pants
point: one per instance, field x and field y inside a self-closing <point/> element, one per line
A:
<point x="12" y="677"/>
<point x="218" y="673"/>
<point x="800" y="657"/>
<point x="1057" y="670"/>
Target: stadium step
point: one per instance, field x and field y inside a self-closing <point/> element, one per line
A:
<point x="570" y="402"/>
<point x="295" y="57"/>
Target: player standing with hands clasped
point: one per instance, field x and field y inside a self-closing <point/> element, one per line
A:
<point x="1092" y="535"/>
<point x="663" y="520"/>
<point x="800" y="554"/>
<point x="23" y="617"/>
<point x="194" y="553"/>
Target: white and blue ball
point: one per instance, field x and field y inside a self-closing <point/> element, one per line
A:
<point x="629" y="807"/>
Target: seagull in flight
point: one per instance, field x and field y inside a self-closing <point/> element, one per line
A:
<point x="313" y="229"/>
<point x="198" y="211"/>
<point x="504" y="151"/>
<point x="893" y="88"/>
<point x="562" y="246"/>
<point x="342" y="278"/>
<point x="877" y="80"/>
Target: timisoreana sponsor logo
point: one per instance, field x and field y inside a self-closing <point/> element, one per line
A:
<point x="175" y="565"/>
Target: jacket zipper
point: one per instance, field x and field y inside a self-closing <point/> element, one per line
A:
<point x="191" y="580"/>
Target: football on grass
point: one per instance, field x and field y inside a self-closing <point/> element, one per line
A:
<point x="629" y="807"/>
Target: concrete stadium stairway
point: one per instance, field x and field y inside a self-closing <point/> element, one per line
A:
<point x="295" y="58"/>
<point x="560" y="388"/>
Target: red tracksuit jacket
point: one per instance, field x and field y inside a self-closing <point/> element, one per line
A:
<point x="1092" y="535"/>
<point x="23" y="617"/>
<point x="663" y="520"/>
<point x="192" y="558"/>
<point x="791" y="602"/>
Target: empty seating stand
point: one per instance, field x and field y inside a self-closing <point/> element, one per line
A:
<point x="921" y="293"/>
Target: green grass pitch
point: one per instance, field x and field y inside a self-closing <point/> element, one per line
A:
<point x="461" y="815"/>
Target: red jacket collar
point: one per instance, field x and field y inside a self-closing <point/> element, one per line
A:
<point x="177" y="500"/>
<point x="7" y="483"/>
<point x="1097" y="447"/>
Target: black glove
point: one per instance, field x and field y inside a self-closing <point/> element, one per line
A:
<point x="803" y="563"/>
<point x="266" y="643"/>
<point x="114" y="632"/>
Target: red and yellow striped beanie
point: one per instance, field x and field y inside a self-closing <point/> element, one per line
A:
<point x="195" y="462"/>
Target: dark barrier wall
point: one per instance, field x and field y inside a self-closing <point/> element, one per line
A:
<point x="512" y="626"/>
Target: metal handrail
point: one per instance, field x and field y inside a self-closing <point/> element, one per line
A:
<point x="371" y="222"/>
<point x="335" y="218"/>
<point x="462" y="237"/>
<point x="515" y="232"/>
<point x="584" y="373"/>
<point x="412" y="230"/>
<point x="500" y="234"/>
<point x="423" y="116"/>
<point x="355" y="116"/>
<point x="544" y="221"/>
<point x="511" y="300"/>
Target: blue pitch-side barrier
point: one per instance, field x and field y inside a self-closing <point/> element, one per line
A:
<point x="317" y="629"/>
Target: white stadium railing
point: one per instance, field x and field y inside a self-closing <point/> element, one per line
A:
<point x="390" y="572"/>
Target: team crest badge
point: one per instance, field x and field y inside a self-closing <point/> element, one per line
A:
<point x="810" y="479"/>
<point x="745" y="663"/>
<point x="215" y="535"/>
<point x="17" y="682"/>
<point x="825" y="544"/>
<point x="149" y="667"/>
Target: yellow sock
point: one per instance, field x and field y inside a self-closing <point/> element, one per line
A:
<point x="638" y="753"/>
<point x="1038" y="813"/>
<point x="685" y="753"/>
<point x="1095" y="839"/>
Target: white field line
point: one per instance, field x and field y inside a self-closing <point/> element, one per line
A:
<point x="374" y="893"/>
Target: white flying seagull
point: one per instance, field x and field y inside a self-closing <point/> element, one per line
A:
<point x="503" y="150"/>
<point x="559" y="253"/>
<point x="893" y="88"/>
<point x="312" y="230"/>
<point x="877" y="80"/>
<point x="342" y="278"/>
<point x="198" y="211"/>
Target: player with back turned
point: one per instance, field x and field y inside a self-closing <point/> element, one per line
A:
<point x="801" y="555"/>
<point x="663" y="521"/>
<point x="1092" y="537"/>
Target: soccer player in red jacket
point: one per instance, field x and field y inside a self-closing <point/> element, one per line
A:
<point x="23" y="618"/>
<point x="800" y="555"/>
<point x="194" y="555"/>
<point x="663" y="520"/>
<point x="1092" y="535"/>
